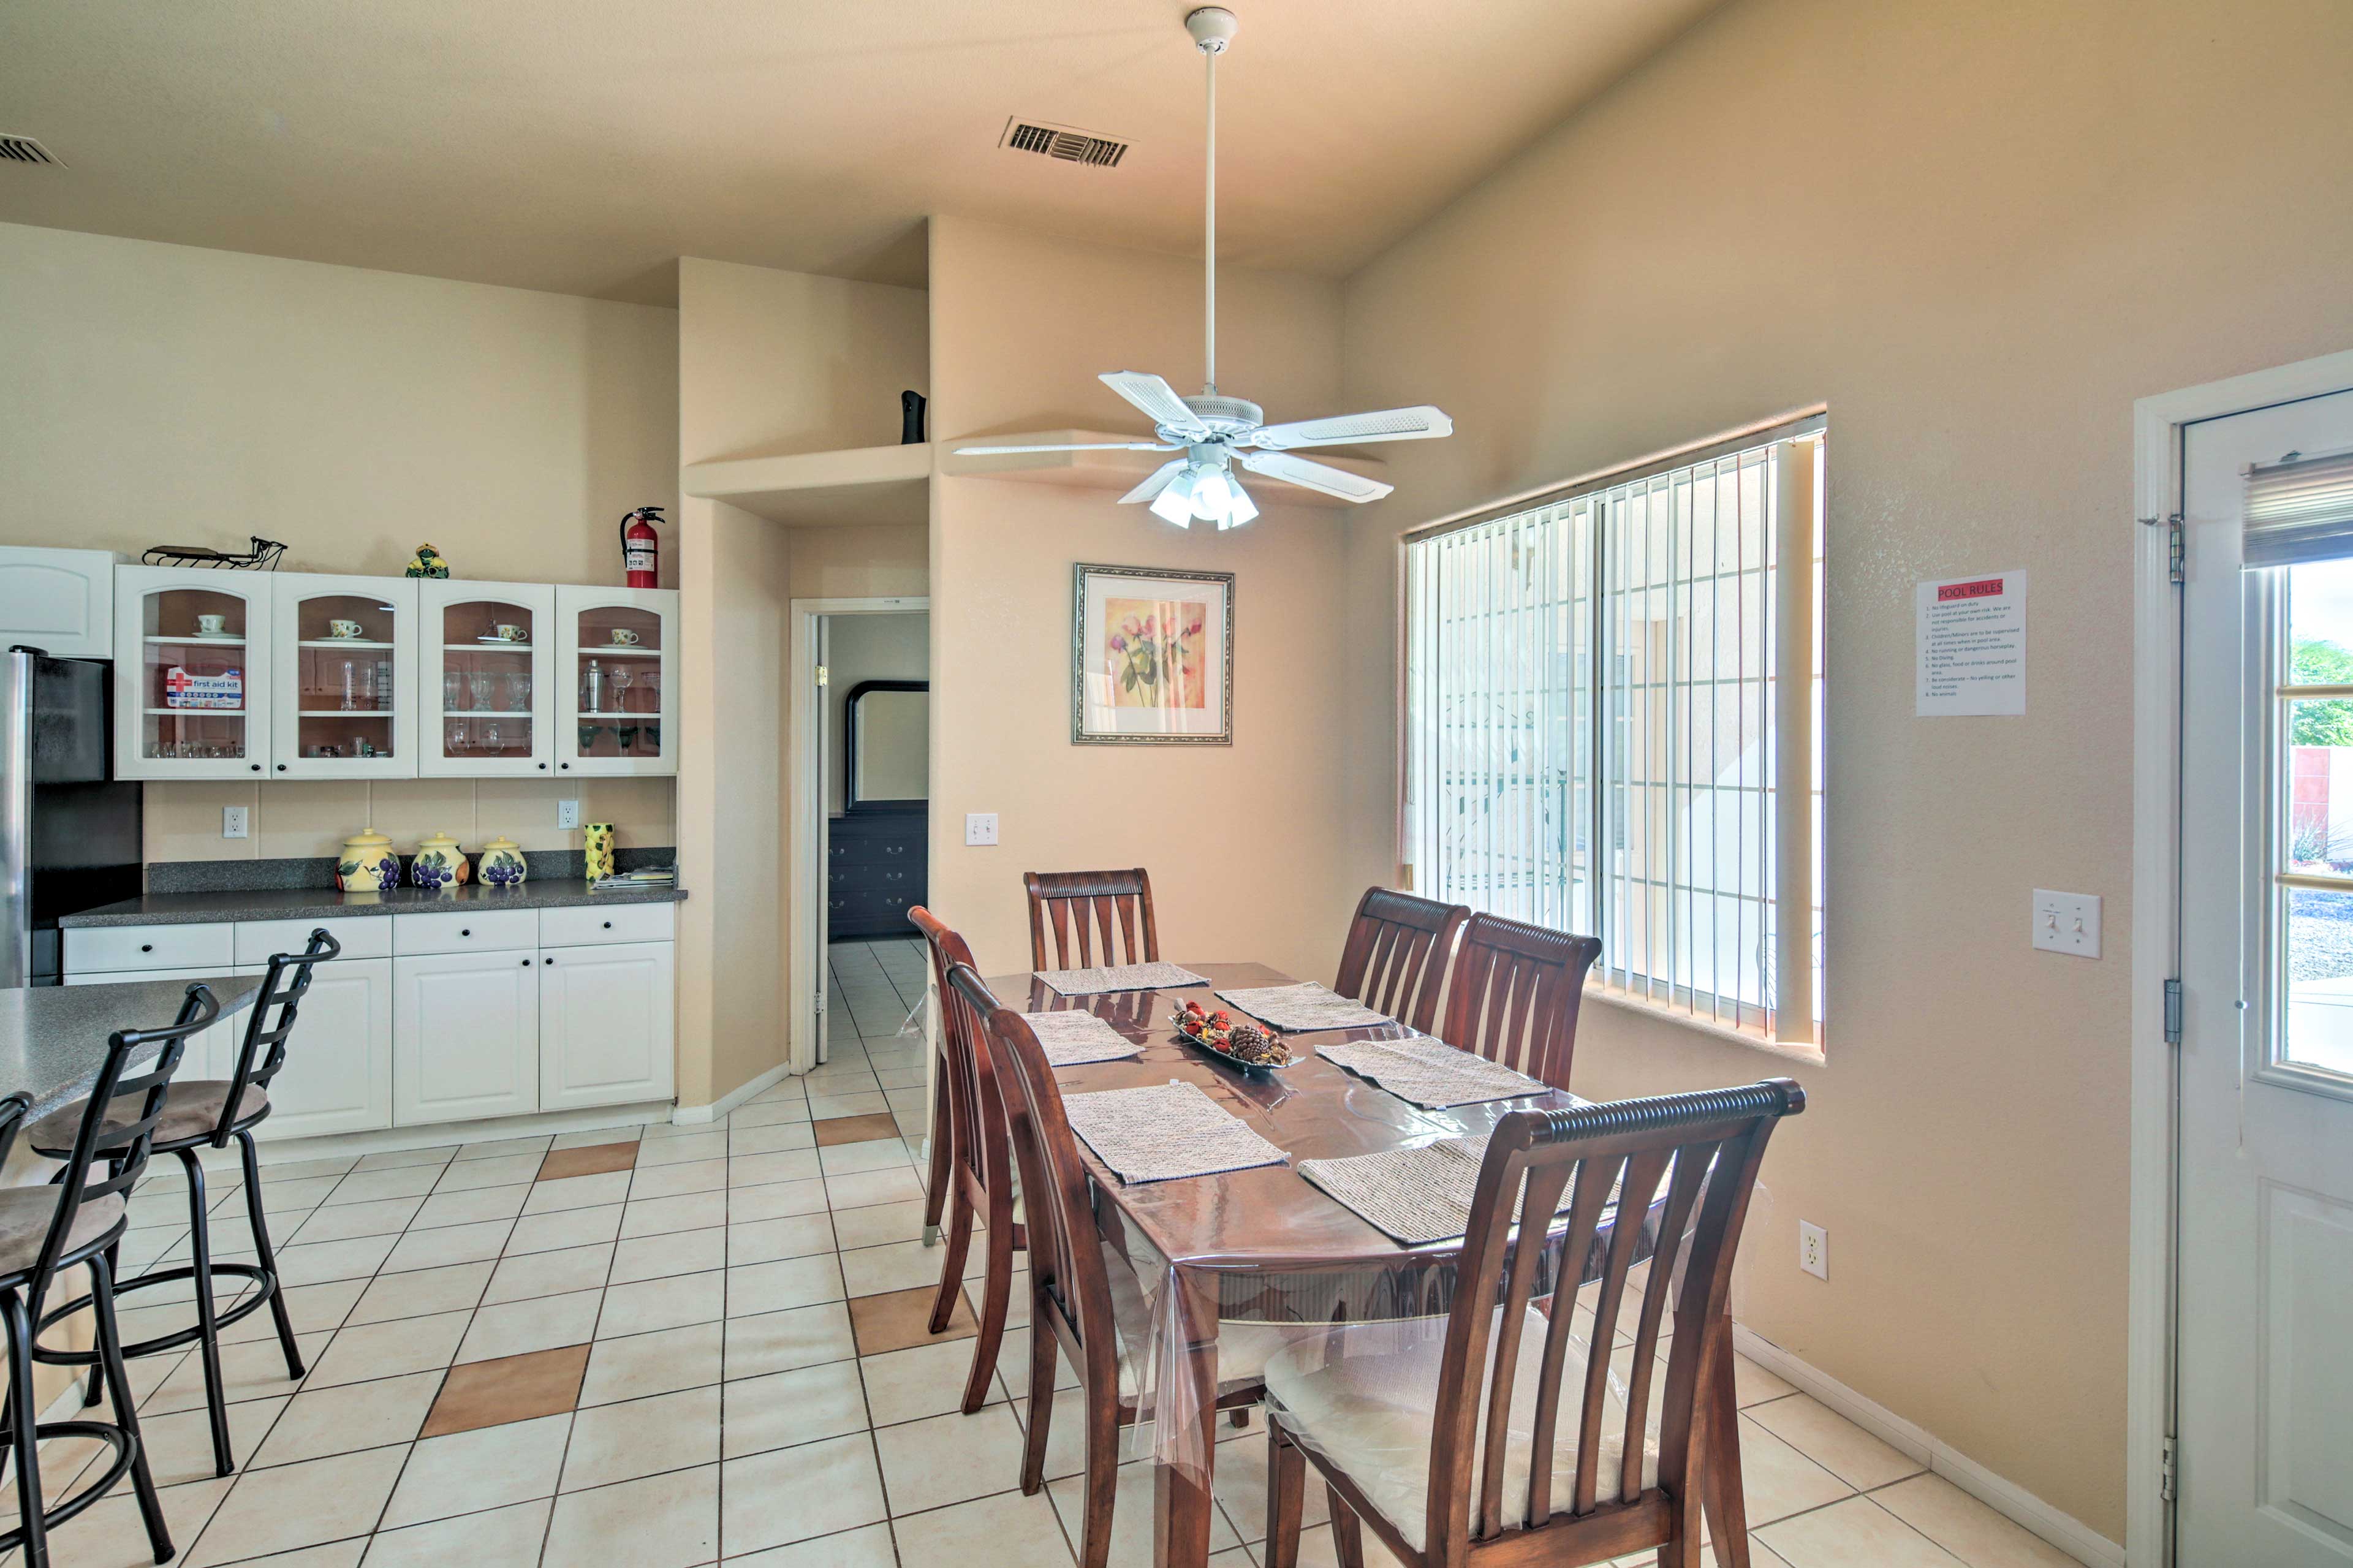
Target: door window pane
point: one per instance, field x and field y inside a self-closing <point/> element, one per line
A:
<point x="2315" y="807"/>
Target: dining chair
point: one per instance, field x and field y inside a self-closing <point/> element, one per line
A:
<point x="1395" y="961"/>
<point x="1512" y="994"/>
<point x="1086" y="1301"/>
<point x="1492" y="1434"/>
<point x="978" y="1172"/>
<point x="199" y="1114"/>
<point x="77" y="1220"/>
<point x="1082" y="905"/>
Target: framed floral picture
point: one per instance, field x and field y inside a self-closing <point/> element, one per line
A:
<point x="1153" y="658"/>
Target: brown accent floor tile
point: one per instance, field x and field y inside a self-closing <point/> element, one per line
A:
<point x="512" y="1388"/>
<point x="901" y="1320"/>
<point x="591" y="1160"/>
<point x="863" y="1129"/>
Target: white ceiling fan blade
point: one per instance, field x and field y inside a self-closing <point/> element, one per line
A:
<point x="1314" y="476"/>
<point x="1157" y="399"/>
<point x="1388" y="425"/>
<point x="1157" y="481"/>
<point x="1070" y="447"/>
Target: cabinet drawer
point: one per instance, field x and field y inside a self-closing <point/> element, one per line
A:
<point x="366" y="936"/>
<point x="591" y="925"/>
<point x="491" y="929"/>
<point x="89" y="948"/>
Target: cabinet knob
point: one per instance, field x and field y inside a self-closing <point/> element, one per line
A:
<point x="547" y="960"/>
<point x="565" y="766"/>
<point x="256" y="767"/>
<point x="465" y="931"/>
<point x="542" y="767"/>
<point x="281" y="767"/>
<point x="608" y="925"/>
<point x="147" y="947"/>
<point x="526" y="964"/>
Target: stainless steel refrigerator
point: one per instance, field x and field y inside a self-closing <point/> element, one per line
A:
<point x="69" y="827"/>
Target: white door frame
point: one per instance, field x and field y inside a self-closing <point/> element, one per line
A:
<point x="2157" y="489"/>
<point x="805" y="751"/>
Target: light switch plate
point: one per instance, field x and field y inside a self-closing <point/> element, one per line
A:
<point x="567" y="814"/>
<point x="980" y="827"/>
<point x="2067" y="923"/>
<point x="233" y="822"/>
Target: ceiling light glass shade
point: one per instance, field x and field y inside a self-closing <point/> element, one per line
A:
<point x="1240" y="510"/>
<point x="1175" y="504"/>
<point x="1213" y="495"/>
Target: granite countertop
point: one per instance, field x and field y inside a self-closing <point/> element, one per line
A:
<point x="318" y="904"/>
<point x="53" y="1037"/>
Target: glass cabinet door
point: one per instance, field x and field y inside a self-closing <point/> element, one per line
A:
<point x="614" y="673"/>
<point x="191" y="657"/>
<point x="489" y="663"/>
<point x="345" y="686"/>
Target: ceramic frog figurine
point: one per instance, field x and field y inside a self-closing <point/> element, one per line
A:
<point x="427" y="562"/>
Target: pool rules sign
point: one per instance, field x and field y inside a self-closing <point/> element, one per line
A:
<point x="1972" y="646"/>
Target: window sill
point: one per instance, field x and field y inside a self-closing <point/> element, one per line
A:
<point x="1789" y="1051"/>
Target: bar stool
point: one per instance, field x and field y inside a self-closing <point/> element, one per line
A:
<point x="74" y="1222"/>
<point x="211" y="1111"/>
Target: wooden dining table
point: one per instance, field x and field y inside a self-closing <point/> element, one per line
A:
<point x="1251" y="1243"/>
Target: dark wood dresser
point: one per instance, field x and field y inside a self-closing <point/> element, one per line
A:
<point x="875" y="871"/>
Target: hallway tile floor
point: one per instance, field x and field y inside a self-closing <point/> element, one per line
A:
<point x="669" y="1346"/>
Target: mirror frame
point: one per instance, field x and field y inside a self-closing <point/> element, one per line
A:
<point x="849" y="800"/>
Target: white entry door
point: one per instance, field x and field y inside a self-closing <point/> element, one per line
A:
<point x="2265" y="1411"/>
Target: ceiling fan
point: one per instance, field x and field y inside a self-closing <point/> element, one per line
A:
<point x="1215" y="432"/>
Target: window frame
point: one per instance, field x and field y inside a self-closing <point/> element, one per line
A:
<point x="1798" y="662"/>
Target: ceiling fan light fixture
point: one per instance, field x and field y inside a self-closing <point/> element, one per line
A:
<point x="1239" y="508"/>
<point x="1175" y="504"/>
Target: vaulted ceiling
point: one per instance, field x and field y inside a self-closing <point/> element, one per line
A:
<point x="578" y="145"/>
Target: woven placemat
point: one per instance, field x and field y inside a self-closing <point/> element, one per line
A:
<point x="1163" y="1131"/>
<point x="1119" y="977"/>
<point x="1303" y="1008"/>
<point x="1430" y="1073"/>
<point x="1072" y="1039"/>
<point x="1412" y="1196"/>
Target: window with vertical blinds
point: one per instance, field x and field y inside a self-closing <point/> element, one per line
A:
<point x="1614" y="704"/>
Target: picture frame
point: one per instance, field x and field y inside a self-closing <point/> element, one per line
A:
<point x="1152" y="656"/>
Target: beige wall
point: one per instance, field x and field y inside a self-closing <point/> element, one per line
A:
<point x="1241" y="841"/>
<point x="160" y="394"/>
<point x="769" y="362"/>
<point x="1978" y="233"/>
<point x="874" y="647"/>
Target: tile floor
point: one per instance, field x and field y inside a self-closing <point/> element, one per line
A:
<point x="675" y="1345"/>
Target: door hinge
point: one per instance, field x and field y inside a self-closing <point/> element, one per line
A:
<point x="821" y="1004"/>
<point x="2165" y="1480"/>
<point x="2177" y="545"/>
<point x="821" y="670"/>
<point x="2173" y="1012"/>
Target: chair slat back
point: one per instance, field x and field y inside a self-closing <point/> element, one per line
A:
<point x="1082" y="906"/>
<point x="1514" y="993"/>
<point x="1066" y="1253"/>
<point x="264" y="1050"/>
<point x="1701" y="1152"/>
<point x="976" y="1121"/>
<point x="119" y="1147"/>
<point x="1396" y="958"/>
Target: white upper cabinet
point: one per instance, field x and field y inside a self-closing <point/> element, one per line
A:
<point x="60" y="601"/>
<point x="615" y="680"/>
<point x="191" y="652"/>
<point x="342" y="686"/>
<point x="489" y="678"/>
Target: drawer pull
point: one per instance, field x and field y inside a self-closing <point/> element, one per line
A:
<point x="545" y="961"/>
<point x="465" y="931"/>
<point x="526" y="964"/>
<point x="147" y="947"/>
<point x="608" y="925"/>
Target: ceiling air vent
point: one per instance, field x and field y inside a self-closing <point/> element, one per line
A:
<point x="1063" y="141"/>
<point x="25" y="150"/>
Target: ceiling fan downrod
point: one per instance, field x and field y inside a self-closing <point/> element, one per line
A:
<point x="1213" y="27"/>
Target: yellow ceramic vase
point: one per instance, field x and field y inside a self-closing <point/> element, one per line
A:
<point x="598" y="844"/>
<point x="502" y="863"/>
<point x="439" y="863"/>
<point x="367" y="864"/>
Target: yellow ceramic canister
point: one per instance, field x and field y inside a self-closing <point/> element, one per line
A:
<point x="439" y="863"/>
<point x="597" y="841"/>
<point x="367" y="864"/>
<point x="502" y="864"/>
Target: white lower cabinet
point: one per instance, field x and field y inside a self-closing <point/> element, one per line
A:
<point x="606" y="1025"/>
<point x="465" y="1036"/>
<point x="432" y="1017"/>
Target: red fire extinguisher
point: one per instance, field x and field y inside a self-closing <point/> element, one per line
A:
<point x="642" y="548"/>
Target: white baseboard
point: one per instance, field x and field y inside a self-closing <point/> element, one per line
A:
<point x="733" y="1098"/>
<point x="2005" y="1497"/>
<point x="437" y="1135"/>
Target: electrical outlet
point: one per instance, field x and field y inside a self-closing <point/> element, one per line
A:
<point x="980" y="827"/>
<point x="234" y="822"/>
<point x="1814" y="1250"/>
<point x="567" y="814"/>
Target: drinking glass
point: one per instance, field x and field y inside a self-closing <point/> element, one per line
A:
<point x="479" y="686"/>
<point x="620" y="690"/>
<point x="518" y="693"/>
<point x="453" y="691"/>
